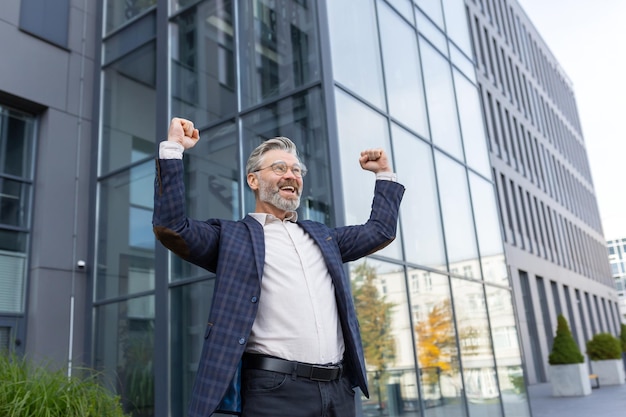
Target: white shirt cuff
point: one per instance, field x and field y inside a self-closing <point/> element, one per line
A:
<point x="387" y="176"/>
<point x="170" y="150"/>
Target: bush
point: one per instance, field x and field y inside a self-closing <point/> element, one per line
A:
<point x="564" y="350"/>
<point x="604" y="346"/>
<point x="622" y="337"/>
<point x="27" y="391"/>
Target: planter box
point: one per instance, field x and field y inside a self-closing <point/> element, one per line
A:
<point x="609" y="371"/>
<point x="570" y="380"/>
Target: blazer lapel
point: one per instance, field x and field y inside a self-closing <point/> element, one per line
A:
<point x="257" y="238"/>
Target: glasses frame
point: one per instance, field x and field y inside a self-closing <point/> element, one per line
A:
<point x="279" y="171"/>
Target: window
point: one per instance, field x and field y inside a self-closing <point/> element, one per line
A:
<point x="46" y="19"/>
<point x="17" y="136"/>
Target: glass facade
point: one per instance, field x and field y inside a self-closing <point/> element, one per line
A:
<point x="336" y="77"/>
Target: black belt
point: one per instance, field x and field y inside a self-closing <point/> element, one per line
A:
<point x="323" y="373"/>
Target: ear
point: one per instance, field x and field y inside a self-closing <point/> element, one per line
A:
<point x="253" y="181"/>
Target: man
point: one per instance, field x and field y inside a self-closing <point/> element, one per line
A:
<point x="282" y="309"/>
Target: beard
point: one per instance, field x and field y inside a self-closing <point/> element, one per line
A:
<point x="269" y="193"/>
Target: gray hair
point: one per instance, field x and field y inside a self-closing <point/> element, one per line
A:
<point x="280" y="143"/>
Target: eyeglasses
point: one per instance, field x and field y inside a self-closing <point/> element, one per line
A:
<point x="281" y="167"/>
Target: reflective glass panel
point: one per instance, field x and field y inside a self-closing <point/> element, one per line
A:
<point x="380" y="299"/>
<point x="118" y="12"/>
<point x="456" y="24"/>
<point x="419" y="212"/>
<point x="17" y="141"/>
<point x="354" y="47"/>
<point x="402" y="6"/>
<point x="212" y="184"/>
<point x="403" y="76"/>
<point x="433" y="9"/>
<point x="203" y="63"/>
<point x="472" y="126"/>
<point x="444" y="125"/>
<point x="506" y="348"/>
<point x="479" y="374"/>
<point x="125" y="256"/>
<point x="129" y="109"/>
<point x="190" y="306"/>
<point x="458" y="224"/>
<point x="301" y="119"/>
<point x="488" y="230"/>
<point x="279" y="47"/>
<point x="14" y="203"/>
<point x="434" y="34"/>
<point x="435" y="337"/>
<point x="124" y="352"/>
<point x="360" y="128"/>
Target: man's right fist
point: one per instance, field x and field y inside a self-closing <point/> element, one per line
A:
<point x="183" y="132"/>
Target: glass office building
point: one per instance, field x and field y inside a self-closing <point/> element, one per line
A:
<point x="554" y="243"/>
<point x="617" y="259"/>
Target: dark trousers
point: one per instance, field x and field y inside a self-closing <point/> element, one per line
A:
<point x="274" y="394"/>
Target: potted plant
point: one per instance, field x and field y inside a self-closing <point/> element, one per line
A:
<point x="568" y="373"/>
<point x="605" y="352"/>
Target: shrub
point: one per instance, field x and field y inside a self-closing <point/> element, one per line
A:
<point x="564" y="350"/>
<point x="27" y="390"/>
<point x="622" y="337"/>
<point x="604" y="346"/>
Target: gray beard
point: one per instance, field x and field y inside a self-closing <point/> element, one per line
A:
<point x="270" y="195"/>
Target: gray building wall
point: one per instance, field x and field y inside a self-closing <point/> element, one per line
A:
<point x="54" y="82"/>
<point x="554" y="241"/>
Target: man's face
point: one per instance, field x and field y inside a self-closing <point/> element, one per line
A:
<point x="276" y="191"/>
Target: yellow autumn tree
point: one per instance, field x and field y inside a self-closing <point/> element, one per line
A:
<point x="435" y="341"/>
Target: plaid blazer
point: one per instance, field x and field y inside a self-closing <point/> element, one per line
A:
<point x="234" y="251"/>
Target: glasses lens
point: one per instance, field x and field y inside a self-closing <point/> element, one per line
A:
<point x="279" y="168"/>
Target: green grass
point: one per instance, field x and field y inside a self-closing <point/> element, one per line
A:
<point x="27" y="390"/>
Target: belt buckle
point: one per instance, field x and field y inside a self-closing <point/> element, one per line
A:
<point x="318" y="372"/>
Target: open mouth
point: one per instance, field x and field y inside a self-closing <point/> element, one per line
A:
<point x="289" y="189"/>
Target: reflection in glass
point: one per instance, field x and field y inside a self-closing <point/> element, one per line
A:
<point x="403" y="77"/>
<point x="473" y="129"/>
<point x="128" y="110"/>
<point x="360" y="128"/>
<point x="458" y="223"/>
<point x="442" y="113"/>
<point x="456" y="24"/>
<point x="435" y="336"/>
<point x="203" y="62"/>
<point x="433" y="9"/>
<point x="380" y="300"/>
<point x="479" y="375"/>
<point x="301" y="119"/>
<point x="488" y="230"/>
<point x="190" y="306"/>
<point x="17" y="142"/>
<point x="354" y="47"/>
<point x="119" y="12"/>
<point x="419" y="212"/>
<point x="124" y="350"/>
<point x="279" y="48"/>
<point x="125" y="252"/>
<point x="506" y="348"/>
<point x="212" y="182"/>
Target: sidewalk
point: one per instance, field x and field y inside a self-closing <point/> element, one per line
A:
<point x="607" y="401"/>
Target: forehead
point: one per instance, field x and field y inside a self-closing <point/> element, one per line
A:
<point x="274" y="155"/>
